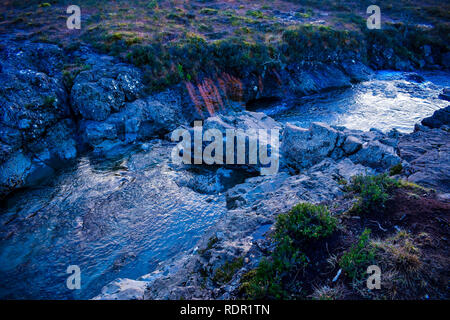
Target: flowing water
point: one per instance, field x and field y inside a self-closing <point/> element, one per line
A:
<point x="390" y="100"/>
<point x="111" y="220"/>
<point x="122" y="219"/>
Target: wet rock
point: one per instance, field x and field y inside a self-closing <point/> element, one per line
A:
<point x="351" y="145"/>
<point x="445" y="95"/>
<point x="35" y="125"/>
<point x="438" y="119"/>
<point x="357" y="71"/>
<point x="96" y="132"/>
<point x="123" y="289"/>
<point x="415" y="77"/>
<point x="13" y="172"/>
<point x="59" y="143"/>
<point x="302" y="148"/>
<point x="306" y="80"/>
<point x="104" y="89"/>
<point x="428" y="155"/>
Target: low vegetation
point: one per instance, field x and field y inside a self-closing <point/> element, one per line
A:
<point x="225" y="273"/>
<point x="293" y="232"/>
<point x="355" y="261"/>
<point x="311" y="245"/>
<point x="188" y="41"/>
<point x="372" y="191"/>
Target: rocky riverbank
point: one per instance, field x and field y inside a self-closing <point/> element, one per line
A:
<point x="317" y="164"/>
<point x="58" y="105"/>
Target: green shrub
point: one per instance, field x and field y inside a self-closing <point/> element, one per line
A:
<point x="355" y="261"/>
<point x="305" y="221"/>
<point x="272" y="279"/>
<point x="225" y="273"/>
<point x="211" y="242"/>
<point x="197" y="57"/>
<point x="263" y="282"/>
<point x="397" y="169"/>
<point x="255" y="13"/>
<point x="319" y="43"/>
<point x="373" y="192"/>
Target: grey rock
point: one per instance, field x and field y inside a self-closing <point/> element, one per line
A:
<point x="439" y="118"/>
<point x="96" y="132"/>
<point x="351" y="145"/>
<point x="123" y="289"/>
<point x="35" y="126"/>
<point x="306" y="80"/>
<point x="303" y="148"/>
<point x="97" y="100"/>
<point x="376" y="155"/>
<point x="428" y="155"/>
<point x="13" y="172"/>
<point x="136" y="121"/>
<point x="357" y="71"/>
<point x="104" y="89"/>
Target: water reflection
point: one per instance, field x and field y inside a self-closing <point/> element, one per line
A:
<point x="112" y="221"/>
<point x="390" y="100"/>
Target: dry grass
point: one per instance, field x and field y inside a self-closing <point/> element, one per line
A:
<point x="325" y="292"/>
<point x="403" y="272"/>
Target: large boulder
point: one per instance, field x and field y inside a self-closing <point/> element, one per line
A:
<point x="438" y="119"/>
<point x="254" y="129"/>
<point x="428" y="155"/>
<point x="306" y="147"/>
<point x="303" y="148"/>
<point x="104" y="89"/>
<point x="305" y="80"/>
<point x="36" y="132"/>
<point x="376" y="155"/>
<point x="136" y="121"/>
<point x="13" y="172"/>
<point x="356" y="70"/>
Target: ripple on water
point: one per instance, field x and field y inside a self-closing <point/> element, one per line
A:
<point x="390" y="100"/>
<point x="112" y="222"/>
<point x="122" y="219"/>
